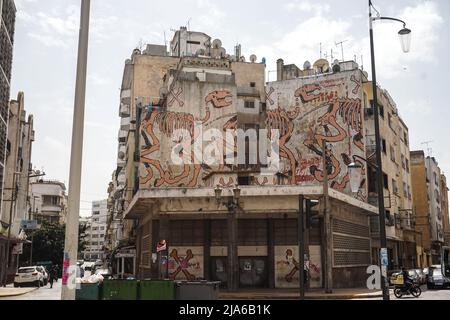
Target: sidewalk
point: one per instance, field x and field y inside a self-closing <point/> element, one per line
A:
<point x="339" y="294"/>
<point x="12" y="292"/>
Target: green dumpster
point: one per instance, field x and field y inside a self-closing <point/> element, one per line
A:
<point x="120" y="290"/>
<point x="157" y="290"/>
<point x="88" y="291"/>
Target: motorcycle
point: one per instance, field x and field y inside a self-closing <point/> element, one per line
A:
<point x="401" y="291"/>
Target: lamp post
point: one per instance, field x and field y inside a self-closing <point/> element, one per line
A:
<point x="232" y="206"/>
<point x="405" y="38"/>
<point x="71" y="237"/>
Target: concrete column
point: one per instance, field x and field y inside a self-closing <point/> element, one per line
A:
<point x="280" y="65"/>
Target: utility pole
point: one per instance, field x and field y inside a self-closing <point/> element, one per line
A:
<point x="71" y="240"/>
<point x="327" y="225"/>
<point x="301" y="245"/>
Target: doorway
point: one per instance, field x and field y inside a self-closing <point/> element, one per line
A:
<point x="253" y="272"/>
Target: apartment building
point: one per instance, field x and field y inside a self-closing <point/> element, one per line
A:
<point x="48" y="201"/>
<point x="96" y="231"/>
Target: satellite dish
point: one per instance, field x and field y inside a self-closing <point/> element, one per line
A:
<point x="336" y="68"/>
<point x="366" y="74"/>
<point x="208" y="43"/>
<point x="242" y="59"/>
<point x="253" y="58"/>
<point x="217" y="44"/>
<point x="307" y="65"/>
<point x="222" y="52"/>
<point x="121" y="155"/>
<point x="200" y="52"/>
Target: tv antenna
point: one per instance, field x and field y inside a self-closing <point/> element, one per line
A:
<point x="342" y="48"/>
<point x="429" y="148"/>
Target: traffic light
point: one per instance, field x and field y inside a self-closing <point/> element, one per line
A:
<point x="312" y="213"/>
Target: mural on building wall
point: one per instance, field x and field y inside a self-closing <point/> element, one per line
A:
<point x="220" y="99"/>
<point x="287" y="267"/>
<point x="311" y="112"/>
<point x="308" y="112"/>
<point x="186" y="263"/>
<point x="158" y="136"/>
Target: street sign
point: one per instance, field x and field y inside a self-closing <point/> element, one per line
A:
<point x="162" y="245"/>
<point x="29" y="224"/>
<point x="384" y="257"/>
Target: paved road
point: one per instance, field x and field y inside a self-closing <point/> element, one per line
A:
<point x="44" y="293"/>
<point x="426" y="295"/>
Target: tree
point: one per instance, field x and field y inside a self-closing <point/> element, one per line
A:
<point x="48" y="244"/>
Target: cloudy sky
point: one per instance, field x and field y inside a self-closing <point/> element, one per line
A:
<point x="46" y="45"/>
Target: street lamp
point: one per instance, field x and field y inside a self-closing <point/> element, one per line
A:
<point x="232" y="206"/>
<point x="405" y="39"/>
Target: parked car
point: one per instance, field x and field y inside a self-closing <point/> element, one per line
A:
<point x="29" y="276"/>
<point x="44" y="272"/>
<point x="436" y="279"/>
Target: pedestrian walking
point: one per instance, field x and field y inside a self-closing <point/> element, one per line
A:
<point x="52" y="276"/>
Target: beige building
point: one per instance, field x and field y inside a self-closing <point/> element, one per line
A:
<point x="430" y="204"/>
<point x="16" y="182"/>
<point x="400" y="216"/>
<point x="445" y="210"/>
<point x="48" y="201"/>
<point x="214" y="213"/>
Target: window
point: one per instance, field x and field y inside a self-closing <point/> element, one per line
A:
<point x="409" y="193"/>
<point x="96" y="220"/>
<point x="386" y="181"/>
<point x="95" y="213"/>
<point x="381" y="110"/>
<point x="95" y="229"/>
<point x="394" y="186"/>
<point x="405" y="137"/>
<point x="102" y="228"/>
<point x="436" y="194"/>
<point x="390" y="120"/>
<point x="436" y="182"/>
<point x="252" y="84"/>
<point x="392" y="153"/>
<point x="403" y="162"/>
<point x="383" y="142"/>
<point x="405" y="190"/>
<point x="407" y="165"/>
<point x="252" y="232"/>
<point x="249" y="105"/>
<point x="244" y="181"/>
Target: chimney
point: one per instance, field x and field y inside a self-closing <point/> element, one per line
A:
<point x="280" y="67"/>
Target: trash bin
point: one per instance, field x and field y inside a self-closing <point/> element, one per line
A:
<point x="120" y="290"/>
<point x="156" y="290"/>
<point x="197" y="290"/>
<point x="88" y="291"/>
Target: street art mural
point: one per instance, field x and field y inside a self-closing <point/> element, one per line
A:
<point x="287" y="267"/>
<point x="186" y="263"/>
<point x="319" y="118"/>
<point x="316" y="119"/>
<point x="160" y="132"/>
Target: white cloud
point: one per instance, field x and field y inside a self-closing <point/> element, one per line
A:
<point x="308" y="7"/>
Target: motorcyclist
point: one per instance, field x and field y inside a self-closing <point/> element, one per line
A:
<point x="408" y="281"/>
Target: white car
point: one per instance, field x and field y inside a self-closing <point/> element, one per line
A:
<point x="29" y="276"/>
<point x="44" y="273"/>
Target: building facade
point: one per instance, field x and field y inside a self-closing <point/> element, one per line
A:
<point x="400" y="216"/>
<point x="16" y="184"/>
<point x="445" y="210"/>
<point x="429" y="205"/>
<point x="7" y="28"/>
<point x="190" y="204"/>
<point x="95" y="234"/>
<point x="48" y="201"/>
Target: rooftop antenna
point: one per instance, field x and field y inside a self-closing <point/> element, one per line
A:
<point x="321" y="50"/>
<point x="362" y="62"/>
<point x="332" y="56"/>
<point x="429" y="148"/>
<point x="342" y="48"/>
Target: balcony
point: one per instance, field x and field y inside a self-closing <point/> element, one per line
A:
<point x="125" y="123"/>
<point x="123" y="136"/>
<point x="124" y="110"/>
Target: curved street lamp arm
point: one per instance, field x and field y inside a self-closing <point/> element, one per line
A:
<point x="389" y="18"/>
<point x="366" y="161"/>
